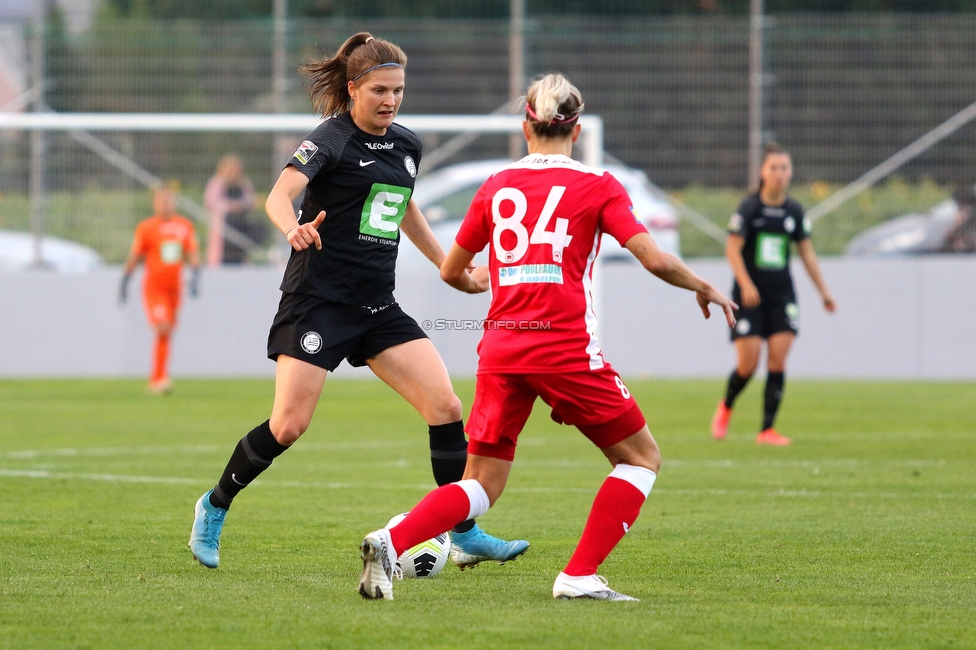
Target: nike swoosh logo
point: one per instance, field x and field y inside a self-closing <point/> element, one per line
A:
<point x="363" y="164"/>
<point x="233" y="477"/>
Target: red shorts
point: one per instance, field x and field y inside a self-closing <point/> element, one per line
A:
<point x="161" y="306"/>
<point x="595" y="402"/>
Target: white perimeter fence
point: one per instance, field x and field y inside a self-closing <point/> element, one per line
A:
<point x="897" y="319"/>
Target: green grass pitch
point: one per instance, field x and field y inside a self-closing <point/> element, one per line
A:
<point x="860" y="534"/>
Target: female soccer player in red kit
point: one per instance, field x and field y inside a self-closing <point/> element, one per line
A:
<point x="542" y="218"/>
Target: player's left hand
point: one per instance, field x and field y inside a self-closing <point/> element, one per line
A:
<point x="829" y="303"/>
<point x="480" y="280"/>
<point x="712" y="295"/>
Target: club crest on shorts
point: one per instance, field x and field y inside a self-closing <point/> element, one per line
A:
<point x="743" y="326"/>
<point x="410" y="165"/>
<point x="311" y="342"/>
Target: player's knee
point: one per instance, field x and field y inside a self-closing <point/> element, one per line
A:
<point x="287" y="430"/>
<point x="444" y="409"/>
<point x="746" y="368"/>
<point x="652" y="458"/>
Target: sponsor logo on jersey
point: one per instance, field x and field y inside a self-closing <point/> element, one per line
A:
<point x="410" y="165"/>
<point x="311" y="342"/>
<point x="383" y="211"/>
<point x="378" y="145"/>
<point x="789" y="224"/>
<point x="771" y="250"/>
<point x="633" y="213"/>
<point x="773" y="212"/>
<point x="807" y="225"/>
<point x="171" y="252"/>
<point x="305" y="151"/>
<point x="735" y="223"/>
<point x="530" y="274"/>
<point x="365" y="163"/>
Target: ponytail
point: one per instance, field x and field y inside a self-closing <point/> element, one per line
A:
<point x="328" y="79"/>
<point x="553" y="106"/>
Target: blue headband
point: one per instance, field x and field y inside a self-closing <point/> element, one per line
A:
<point x="382" y="65"/>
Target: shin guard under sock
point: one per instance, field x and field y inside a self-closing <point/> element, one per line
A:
<point x="253" y="455"/>
<point x="736" y="384"/>
<point x="774" y="395"/>
<point x="448" y="456"/>
<point x="614" y="511"/>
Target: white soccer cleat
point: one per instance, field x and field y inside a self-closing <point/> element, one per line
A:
<point x="379" y="561"/>
<point x="594" y="586"/>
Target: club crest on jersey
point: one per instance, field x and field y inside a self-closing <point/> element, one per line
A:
<point x="410" y="165"/>
<point x="305" y="151"/>
<point x="789" y="224"/>
<point x="311" y="342"/>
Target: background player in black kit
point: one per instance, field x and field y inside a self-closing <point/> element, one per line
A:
<point x="357" y="171"/>
<point x="758" y="249"/>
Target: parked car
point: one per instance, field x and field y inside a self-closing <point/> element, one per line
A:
<point x="444" y="196"/>
<point x="62" y="255"/>
<point x="907" y="235"/>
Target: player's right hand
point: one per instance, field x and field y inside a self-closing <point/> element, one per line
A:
<point x="307" y="234"/>
<point x="124" y="289"/>
<point x="750" y="296"/>
<point x="711" y="295"/>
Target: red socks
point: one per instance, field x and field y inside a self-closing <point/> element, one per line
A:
<point x="614" y="511"/>
<point x="436" y="513"/>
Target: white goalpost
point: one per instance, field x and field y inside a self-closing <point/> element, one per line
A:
<point x="89" y="130"/>
<point x="591" y="138"/>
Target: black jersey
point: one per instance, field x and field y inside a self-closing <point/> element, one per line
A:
<point x="768" y="231"/>
<point x="363" y="182"/>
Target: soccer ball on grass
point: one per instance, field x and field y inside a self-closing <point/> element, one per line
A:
<point x="425" y="560"/>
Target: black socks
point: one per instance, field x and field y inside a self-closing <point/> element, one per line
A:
<point x="774" y="394"/>
<point x="736" y="384"/>
<point x="448" y="456"/>
<point x="253" y="455"/>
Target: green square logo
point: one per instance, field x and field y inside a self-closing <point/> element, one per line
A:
<point x="771" y="250"/>
<point x="384" y="210"/>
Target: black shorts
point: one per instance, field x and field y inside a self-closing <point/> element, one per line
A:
<point x="324" y="333"/>
<point x="772" y="316"/>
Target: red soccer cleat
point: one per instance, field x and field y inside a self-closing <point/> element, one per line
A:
<point x="770" y="437"/>
<point x="720" y="421"/>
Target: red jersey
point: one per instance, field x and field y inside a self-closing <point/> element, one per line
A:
<point x="543" y="217"/>
<point x="164" y="243"/>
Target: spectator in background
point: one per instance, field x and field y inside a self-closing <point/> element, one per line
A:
<point x="962" y="237"/>
<point x="230" y="198"/>
<point x="164" y="241"/>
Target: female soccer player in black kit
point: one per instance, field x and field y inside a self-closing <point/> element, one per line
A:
<point x="758" y="249"/>
<point x="357" y="170"/>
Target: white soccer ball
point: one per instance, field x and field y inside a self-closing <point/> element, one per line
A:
<point x="425" y="560"/>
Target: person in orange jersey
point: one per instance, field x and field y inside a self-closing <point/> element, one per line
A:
<point x="164" y="241"/>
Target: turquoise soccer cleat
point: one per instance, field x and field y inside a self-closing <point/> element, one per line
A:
<point x="208" y="521"/>
<point x="476" y="546"/>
